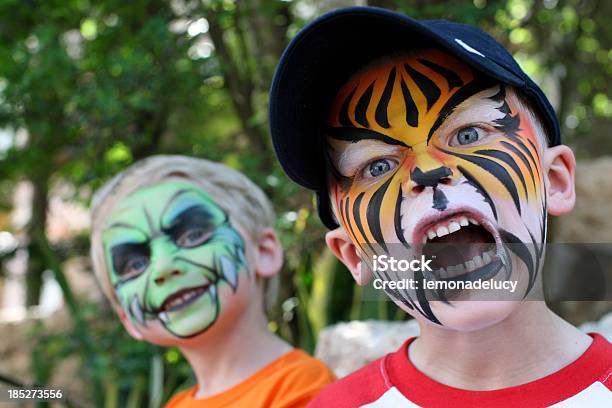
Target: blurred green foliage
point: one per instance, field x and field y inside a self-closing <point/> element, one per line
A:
<point x="88" y="87"/>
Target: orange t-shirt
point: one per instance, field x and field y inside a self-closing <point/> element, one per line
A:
<point x="290" y="381"/>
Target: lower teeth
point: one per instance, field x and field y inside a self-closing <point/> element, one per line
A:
<point x="473" y="264"/>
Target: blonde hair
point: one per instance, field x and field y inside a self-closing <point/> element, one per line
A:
<point x="243" y="201"/>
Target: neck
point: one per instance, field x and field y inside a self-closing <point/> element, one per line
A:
<point x="528" y="345"/>
<point x="229" y="356"/>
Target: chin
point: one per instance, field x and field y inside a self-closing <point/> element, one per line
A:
<point x="469" y="316"/>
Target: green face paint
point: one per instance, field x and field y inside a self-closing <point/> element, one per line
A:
<point x="168" y="248"/>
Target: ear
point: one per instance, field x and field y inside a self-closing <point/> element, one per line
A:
<point x="559" y="169"/>
<point x="129" y="326"/>
<point x="268" y="254"/>
<point x="344" y="249"/>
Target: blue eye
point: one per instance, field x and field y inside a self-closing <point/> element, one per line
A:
<point x="467" y="135"/>
<point x="193" y="237"/>
<point x="135" y="266"/>
<point x="379" y="167"/>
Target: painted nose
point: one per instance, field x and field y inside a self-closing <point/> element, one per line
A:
<point x="164" y="277"/>
<point x="430" y="178"/>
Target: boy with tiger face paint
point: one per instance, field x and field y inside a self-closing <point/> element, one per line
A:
<point x="422" y="150"/>
<point x="430" y="133"/>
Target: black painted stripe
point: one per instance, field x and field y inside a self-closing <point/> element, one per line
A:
<point x="347" y="218"/>
<point x="362" y="106"/>
<point x="462" y="94"/>
<point x="454" y="81"/>
<point x="439" y="199"/>
<point x="430" y="90"/>
<point x="523" y="159"/>
<point x="535" y="149"/>
<point x="344" y="118"/>
<point x="398" y="219"/>
<point x="373" y="214"/>
<point x="524" y="148"/>
<point x="422" y="299"/>
<point x="472" y="180"/>
<point x="496" y="170"/>
<point x="506" y="158"/>
<point x="381" y="110"/>
<point x="353" y="135"/>
<point x="357" y="218"/>
<point x="412" y="113"/>
<point x="538" y="258"/>
<point x="521" y="250"/>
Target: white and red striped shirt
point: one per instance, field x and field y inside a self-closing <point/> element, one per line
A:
<point x="393" y="382"/>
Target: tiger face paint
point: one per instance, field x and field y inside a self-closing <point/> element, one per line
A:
<point x="171" y="251"/>
<point x="424" y="150"/>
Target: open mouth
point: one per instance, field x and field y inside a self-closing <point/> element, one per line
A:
<point x="183" y="298"/>
<point x="462" y="246"/>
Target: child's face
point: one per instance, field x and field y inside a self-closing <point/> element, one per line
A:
<point x="423" y="151"/>
<point x="175" y="261"/>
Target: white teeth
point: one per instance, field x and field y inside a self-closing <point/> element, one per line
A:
<point x="163" y="316"/>
<point x="460" y="269"/>
<point x="455" y="270"/>
<point x="474" y="263"/>
<point x="442" y="231"/>
<point x="136" y="310"/>
<point x="453" y="226"/>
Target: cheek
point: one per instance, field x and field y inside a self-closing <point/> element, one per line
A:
<point x="128" y="290"/>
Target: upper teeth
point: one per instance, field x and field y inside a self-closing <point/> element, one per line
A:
<point x="184" y="298"/>
<point x="448" y="227"/>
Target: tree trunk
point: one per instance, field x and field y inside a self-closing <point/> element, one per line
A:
<point x="36" y="227"/>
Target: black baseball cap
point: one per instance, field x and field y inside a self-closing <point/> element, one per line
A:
<point x="325" y="53"/>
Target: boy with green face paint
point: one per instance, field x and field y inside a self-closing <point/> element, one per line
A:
<point x="184" y="250"/>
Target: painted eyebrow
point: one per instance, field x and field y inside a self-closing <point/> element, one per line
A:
<point x="190" y="214"/>
<point x="460" y="96"/>
<point x="172" y="199"/>
<point x="347" y="157"/>
<point x="354" y="135"/>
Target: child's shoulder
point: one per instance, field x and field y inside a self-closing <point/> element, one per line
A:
<point x="356" y="389"/>
<point x="298" y="366"/>
<point x="602" y="352"/>
<point x="290" y="381"/>
<point x="393" y="381"/>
